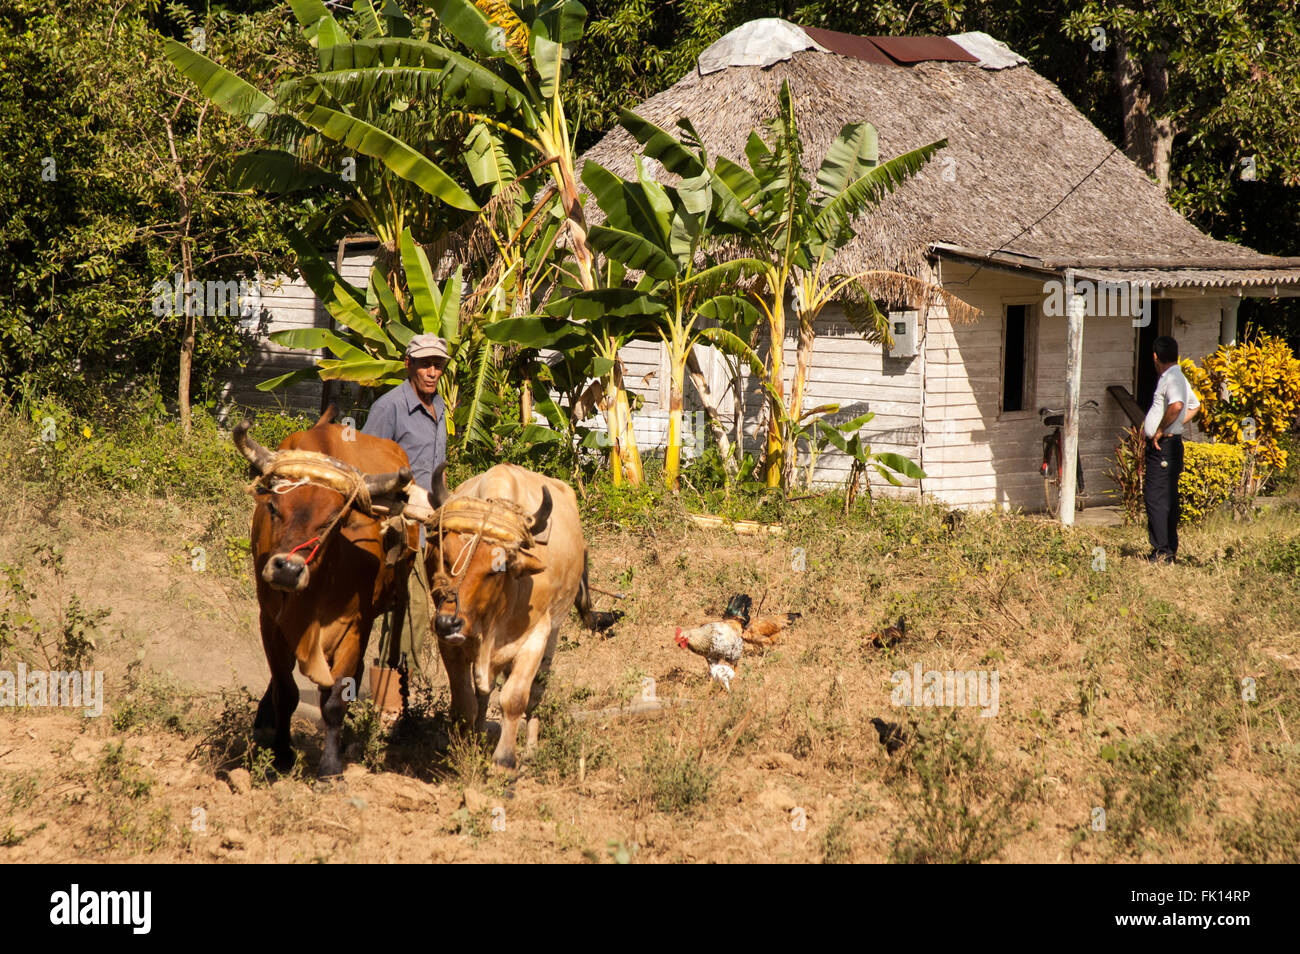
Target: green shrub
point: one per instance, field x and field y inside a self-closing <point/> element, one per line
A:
<point x="1211" y="475"/>
<point x="136" y="447"/>
<point x="364" y="736"/>
<point x="675" y="782"/>
<point x="1127" y="470"/>
<point x="1283" y="557"/>
<point x="1284" y="482"/>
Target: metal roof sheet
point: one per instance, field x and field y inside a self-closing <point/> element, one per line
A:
<point x="917" y="49"/>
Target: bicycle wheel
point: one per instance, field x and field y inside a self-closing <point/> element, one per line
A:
<point x="1052" y="480"/>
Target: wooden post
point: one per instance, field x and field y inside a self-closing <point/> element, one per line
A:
<point x="1073" y="381"/>
<point x="1228" y="322"/>
<point x="329" y="389"/>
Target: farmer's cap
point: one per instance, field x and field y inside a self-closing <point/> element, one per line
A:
<point x="427" y="346"/>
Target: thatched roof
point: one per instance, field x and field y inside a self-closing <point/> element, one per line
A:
<point x="1025" y="174"/>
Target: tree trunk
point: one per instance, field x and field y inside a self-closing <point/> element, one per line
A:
<point x="802" y="367"/>
<point x="673" y="450"/>
<point x="187" y="328"/>
<point x="714" y="415"/>
<point x="624" y="454"/>
<point x="1144" y="87"/>
<point x="329" y="389"/>
<point x="625" y="448"/>
<point x="775" y="457"/>
<point x="187" y="275"/>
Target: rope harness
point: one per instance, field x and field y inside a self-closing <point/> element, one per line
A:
<point x="293" y="469"/>
<point x="502" y="522"/>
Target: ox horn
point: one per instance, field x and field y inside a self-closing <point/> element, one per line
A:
<point x="328" y="416"/>
<point x="259" y="458"/>
<point x="542" y="515"/>
<point x="384" y="485"/>
<point x="439" y="494"/>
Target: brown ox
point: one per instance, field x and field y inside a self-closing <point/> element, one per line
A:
<point x="504" y="577"/>
<point x="320" y="568"/>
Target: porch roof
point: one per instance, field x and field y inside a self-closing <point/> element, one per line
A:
<point x="1269" y="277"/>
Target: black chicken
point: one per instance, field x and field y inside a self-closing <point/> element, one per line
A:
<point x="892" y="736"/>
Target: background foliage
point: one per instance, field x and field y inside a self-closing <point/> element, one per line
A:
<point x="86" y="86"/>
<point x="84" y="240"/>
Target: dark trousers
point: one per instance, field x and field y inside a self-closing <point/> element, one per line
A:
<point x="1160" y="490"/>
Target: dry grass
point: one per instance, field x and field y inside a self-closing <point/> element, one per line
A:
<point x="1121" y="689"/>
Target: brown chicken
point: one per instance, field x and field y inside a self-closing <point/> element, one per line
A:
<point x="889" y="636"/>
<point x="758" y="632"/>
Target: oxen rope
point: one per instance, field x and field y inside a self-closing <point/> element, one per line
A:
<point x="502" y="521"/>
<point x="297" y="468"/>
<point x="293" y="469"/>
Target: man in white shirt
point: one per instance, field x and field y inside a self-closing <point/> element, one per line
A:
<point x="1164" y="450"/>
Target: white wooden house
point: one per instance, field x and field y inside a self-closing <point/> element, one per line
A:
<point x="1029" y="200"/>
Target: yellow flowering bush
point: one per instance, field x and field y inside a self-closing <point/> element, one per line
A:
<point x="1249" y="396"/>
<point x="1211" y="474"/>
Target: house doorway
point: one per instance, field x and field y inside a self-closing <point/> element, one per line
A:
<point x="1145" y="373"/>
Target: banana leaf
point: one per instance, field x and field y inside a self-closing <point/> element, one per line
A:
<point x="368" y="373"/>
<point x="633" y="250"/>
<point x="536" y="331"/>
<point x="662" y="146"/>
<point x="285" y="380"/>
<point x="223" y="88"/>
<point x="851" y="155"/>
<point x="401" y="159"/>
<point x="279" y="173"/>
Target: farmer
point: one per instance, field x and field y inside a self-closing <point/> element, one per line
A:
<point x="414" y="415"/>
<point x="1164" y="450"/>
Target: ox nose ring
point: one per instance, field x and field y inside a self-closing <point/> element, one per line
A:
<point x="449" y="625"/>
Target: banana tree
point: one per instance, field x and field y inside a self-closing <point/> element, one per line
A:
<point x="529" y="59"/>
<point x="585" y="331"/>
<point x="847" y="439"/>
<point x="663" y="232"/>
<point x="795" y="227"/>
<point x="371" y="96"/>
<point x="339" y="148"/>
<point x="375" y="328"/>
<point x="509" y="90"/>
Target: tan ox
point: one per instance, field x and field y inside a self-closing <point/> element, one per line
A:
<point x="506" y="559"/>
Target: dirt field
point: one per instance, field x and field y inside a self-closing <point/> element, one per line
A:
<point x="1166" y="698"/>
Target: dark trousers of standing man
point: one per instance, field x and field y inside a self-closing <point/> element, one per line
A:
<point x="1160" y="489"/>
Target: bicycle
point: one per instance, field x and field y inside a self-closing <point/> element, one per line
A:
<point x="1053" y="456"/>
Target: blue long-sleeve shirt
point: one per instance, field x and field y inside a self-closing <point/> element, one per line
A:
<point x="401" y="416"/>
